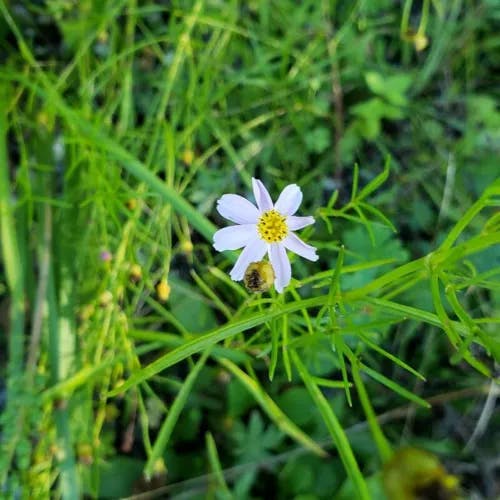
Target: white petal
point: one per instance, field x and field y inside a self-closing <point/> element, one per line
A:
<point x="281" y="265"/>
<point x="261" y="194"/>
<point x="293" y="222"/>
<point x="234" y="237"/>
<point x="253" y="252"/>
<point x="237" y="209"/>
<point x="289" y="200"/>
<point x="296" y="245"/>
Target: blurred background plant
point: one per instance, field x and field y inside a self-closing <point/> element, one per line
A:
<point x="131" y="365"/>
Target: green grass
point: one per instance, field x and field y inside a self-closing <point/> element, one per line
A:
<point x="122" y="123"/>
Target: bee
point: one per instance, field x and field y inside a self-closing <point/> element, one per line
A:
<point x="259" y="277"/>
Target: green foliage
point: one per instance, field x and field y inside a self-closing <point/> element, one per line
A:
<point x="130" y="362"/>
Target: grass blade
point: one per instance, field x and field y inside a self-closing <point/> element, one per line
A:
<point x="173" y="416"/>
<point x="383" y="445"/>
<point x="394" y="386"/>
<point x="218" y="335"/>
<point x="10" y="251"/>
<point x="336" y="431"/>
<point x="213" y="459"/>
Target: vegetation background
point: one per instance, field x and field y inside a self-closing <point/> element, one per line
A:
<point x="131" y="366"/>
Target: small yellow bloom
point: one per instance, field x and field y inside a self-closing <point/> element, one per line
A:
<point x="159" y="467"/>
<point x="45" y="120"/>
<point x="186" y="247"/>
<point x="188" y="156"/>
<point x="163" y="290"/>
<point x="103" y="36"/>
<point x="86" y="312"/>
<point x="84" y="452"/>
<point x="131" y="203"/>
<point x="105" y="298"/>
<point x="420" y="41"/>
<point x="135" y="273"/>
<point x="418" y="38"/>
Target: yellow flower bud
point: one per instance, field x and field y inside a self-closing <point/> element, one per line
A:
<point x="131" y="203"/>
<point x="163" y="290"/>
<point x="420" y="41"/>
<point x="187" y="247"/>
<point x="188" y="156"/>
<point x="135" y="273"/>
<point x="105" y="298"/>
<point x="84" y="452"/>
<point x="86" y="312"/>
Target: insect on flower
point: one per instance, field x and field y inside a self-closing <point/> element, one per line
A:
<point x="259" y="277"/>
<point x="265" y="228"/>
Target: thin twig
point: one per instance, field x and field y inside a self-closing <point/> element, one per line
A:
<point x="486" y="414"/>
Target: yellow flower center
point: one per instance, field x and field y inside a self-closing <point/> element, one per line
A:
<point x="272" y="226"/>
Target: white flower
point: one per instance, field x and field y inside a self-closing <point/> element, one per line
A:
<point x="268" y="228"/>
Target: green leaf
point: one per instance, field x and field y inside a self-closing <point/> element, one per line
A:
<point x="214" y="461"/>
<point x="374" y="184"/>
<point x="318" y="140"/>
<point x="295" y="402"/>
<point x="189" y="307"/>
<point x="392" y="88"/>
<point x="239" y="400"/>
<point x="370" y="114"/>
<point x="118" y="475"/>
<point x="394" y="386"/>
<point x="273" y="411"/>
<point x="358" y="242"/>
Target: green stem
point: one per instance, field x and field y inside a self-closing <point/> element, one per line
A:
<point x="383" y="446"/>
<point x="10" y="251"/>
<point x="9" y="248"/>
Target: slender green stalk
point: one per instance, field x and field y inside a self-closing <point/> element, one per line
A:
<point x="334" y="428"/>
<point x="10" y="251"/>
<point x="173" y="416"/>
<point x="14" y="413"/>
<point x="462" y="223"/>
<point x="393" y="386"/>
<point x="383" y="445"/>
<point x="405" y="18"/>
<point x="275" y="337"/>
<point x="61" y="335"/>
<point x="214" y="461"/>
<point x="334" y="296"/>
<point x="69" y="482"/>
<point x="284" y="348"/>
<point x="41" y="293"/>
